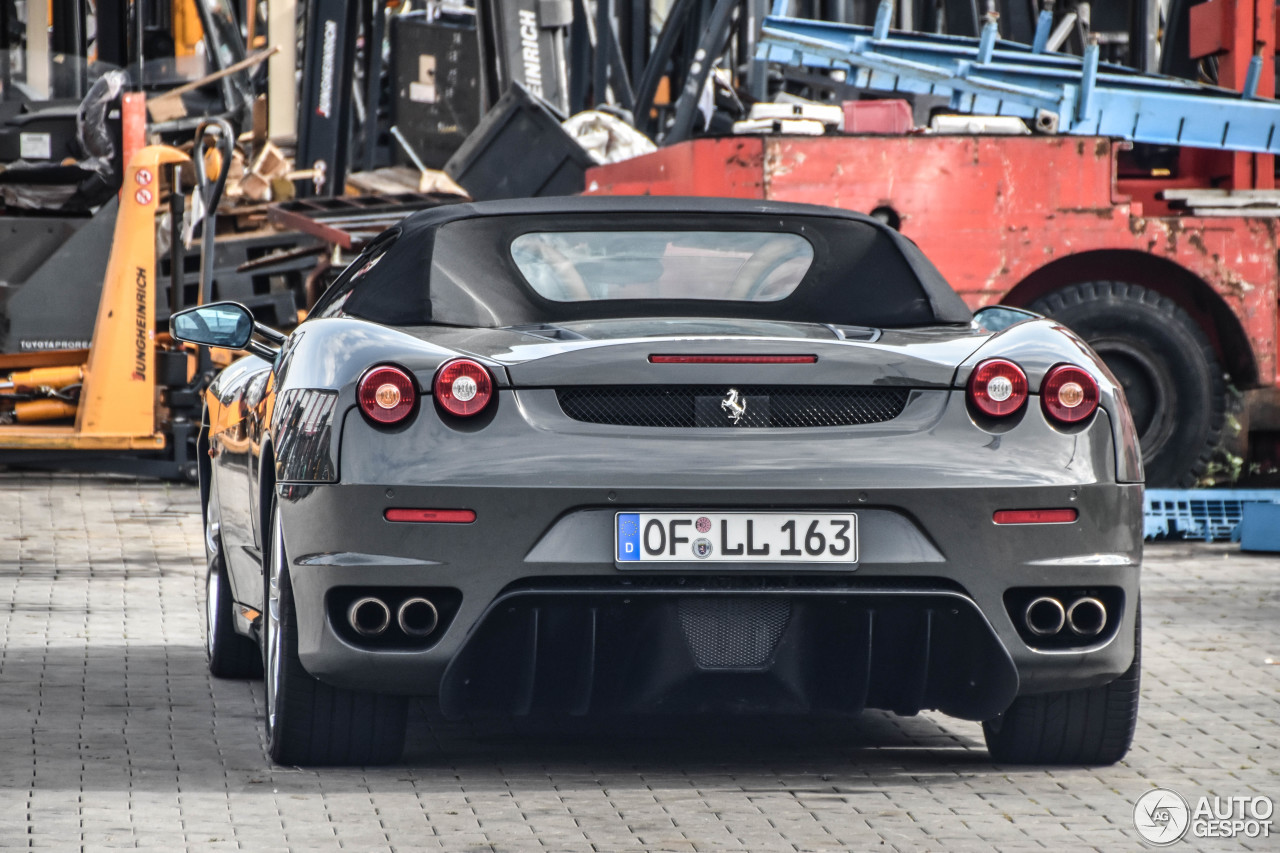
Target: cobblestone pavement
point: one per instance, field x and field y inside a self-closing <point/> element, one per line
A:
<point x="112" y="734"/>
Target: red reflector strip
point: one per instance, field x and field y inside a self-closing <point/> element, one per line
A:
<point x="1035" y="516"/>
<point x="431" y="516"/>
<point x="733" y="359"/>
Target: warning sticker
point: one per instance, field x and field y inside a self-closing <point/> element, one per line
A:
<point x="35" y="146"/>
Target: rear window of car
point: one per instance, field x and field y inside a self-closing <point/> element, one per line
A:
<point x="586" y="266"/>
<point x="697" y="259"/>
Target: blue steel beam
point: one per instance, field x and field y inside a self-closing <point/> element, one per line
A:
<point x="991" y="76"/>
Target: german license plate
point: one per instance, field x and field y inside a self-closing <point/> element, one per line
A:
<point x="736" y="537"/>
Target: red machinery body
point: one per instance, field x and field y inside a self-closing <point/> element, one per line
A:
<point x="1006" y="219"/>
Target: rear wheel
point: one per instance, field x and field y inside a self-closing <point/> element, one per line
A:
<point x="230" y="655"/>
<point x="1164" y="362"/>
<point x="1090" y="726"/>
<point x="310" y="722"/>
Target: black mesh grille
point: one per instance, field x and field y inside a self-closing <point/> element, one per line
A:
<point x="691" y="406"/>
<point x="733" y="633"/>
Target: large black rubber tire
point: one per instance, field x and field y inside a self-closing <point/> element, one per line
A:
<point x="230" y="654"/>
<point x="1166" y="365"/>
<point x="317" y="724"/>
<point x="1093" y="726"/>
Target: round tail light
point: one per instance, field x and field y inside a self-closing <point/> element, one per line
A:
<point x="1069" y="394"/>
<point x="386" y="395"/>
<point x="997" y="388"/>
<point x="463" y="387"/>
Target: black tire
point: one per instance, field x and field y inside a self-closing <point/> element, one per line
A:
<point x="309" y="722"/>
<point x="1166" y="365"/>
<point x="1093" y="726"/>
<point x="230" y="654"/>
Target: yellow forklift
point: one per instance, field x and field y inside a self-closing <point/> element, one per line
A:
<point x="130" y="402"/>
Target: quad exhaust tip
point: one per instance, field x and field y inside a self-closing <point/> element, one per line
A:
<point x="1086" y="617"/>
<point x="417" y="617"/>
<point x="1045" y="616"/>
<point x="369" y="617"/>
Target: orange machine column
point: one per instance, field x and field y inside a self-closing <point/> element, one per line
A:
<point x="119" y="392"/>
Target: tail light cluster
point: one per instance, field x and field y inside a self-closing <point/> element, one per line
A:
<point x="388" y="395"/>
<point x="1068" y="394"/>
<point x="463" y="387"/>
<point x="998" y="388"/>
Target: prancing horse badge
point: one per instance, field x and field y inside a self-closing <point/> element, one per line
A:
<point x="734" y="405"/>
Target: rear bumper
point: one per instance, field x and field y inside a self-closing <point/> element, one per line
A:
<point x="537" y="569"/>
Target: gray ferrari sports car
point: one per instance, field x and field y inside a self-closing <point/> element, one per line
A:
<point x="640" y="455"/>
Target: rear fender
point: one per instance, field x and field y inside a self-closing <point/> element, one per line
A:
<point x="1037" y="346"/>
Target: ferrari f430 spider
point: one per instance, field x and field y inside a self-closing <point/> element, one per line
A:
<point x="598" y="455"/>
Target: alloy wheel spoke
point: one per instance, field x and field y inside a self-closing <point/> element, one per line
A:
<point x="273" y="623"/>
<point x="211" y="611"/>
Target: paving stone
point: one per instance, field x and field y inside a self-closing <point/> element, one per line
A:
<point x="113" y="735"/>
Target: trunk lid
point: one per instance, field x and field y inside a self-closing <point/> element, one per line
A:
<point x="618" y="352"/>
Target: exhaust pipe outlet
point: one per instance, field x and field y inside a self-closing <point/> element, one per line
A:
<point x="1087" y="617"/>
<point x="369" y="616"/>
<point x="417" y="617"/>
<point x="1045" y="617"/>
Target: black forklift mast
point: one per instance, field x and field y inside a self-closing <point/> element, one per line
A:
<point x="113" y="32"/>
<point x="523" y="41"/>
<point x="325" y="104"/>
<point x="526" y="41"/>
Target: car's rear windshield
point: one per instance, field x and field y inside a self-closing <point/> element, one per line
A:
<point x="611" y="259"/>
<point x="584" y="266"/>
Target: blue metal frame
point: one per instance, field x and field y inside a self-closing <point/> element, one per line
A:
<point x="1204" y="514"/>
<point x="1055" y="91"/>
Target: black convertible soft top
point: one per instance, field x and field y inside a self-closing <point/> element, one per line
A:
<point x="453" y="265"/>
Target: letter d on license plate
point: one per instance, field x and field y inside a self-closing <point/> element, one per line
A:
<point x="736" y="537"/>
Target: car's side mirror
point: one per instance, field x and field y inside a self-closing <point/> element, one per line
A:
<point x="226" y="325"/>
